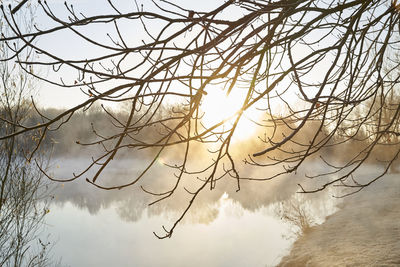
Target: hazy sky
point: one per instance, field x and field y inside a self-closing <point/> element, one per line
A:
<point x="69" y="45"/>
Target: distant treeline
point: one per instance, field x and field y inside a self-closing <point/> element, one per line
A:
<point x="73" y="134"/>
<point x="92" y="125"/>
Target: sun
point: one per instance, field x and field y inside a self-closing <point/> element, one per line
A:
<point x="218" y="106"/>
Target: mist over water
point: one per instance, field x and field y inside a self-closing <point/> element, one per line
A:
<point x="96" y="227"/>
<point x="252" y="196"/>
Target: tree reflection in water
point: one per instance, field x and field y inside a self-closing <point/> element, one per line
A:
<point x="242" y="224"/>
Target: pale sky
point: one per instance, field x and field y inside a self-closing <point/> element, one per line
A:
<point x="68" y="44"/>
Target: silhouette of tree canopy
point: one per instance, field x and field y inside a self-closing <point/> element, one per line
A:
<point x="322" y="73"/>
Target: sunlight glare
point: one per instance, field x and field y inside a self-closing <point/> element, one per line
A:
<point x="217" y="107"/>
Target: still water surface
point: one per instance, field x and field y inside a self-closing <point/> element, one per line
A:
<point x="115" y="228"/>
<point x="104" y="239"/>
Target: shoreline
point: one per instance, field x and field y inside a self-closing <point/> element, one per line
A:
<point x="365" y="231"/>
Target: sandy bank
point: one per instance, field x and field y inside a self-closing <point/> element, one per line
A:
<point x="364" y="232"/>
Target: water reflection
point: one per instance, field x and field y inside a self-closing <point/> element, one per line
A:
<point x="235" y="238"/>
<point x="223" y="228"/>
<point x="132" y="201"/>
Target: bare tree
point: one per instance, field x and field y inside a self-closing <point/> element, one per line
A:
<point x="302" y="63"/>
<point x="24" y="191"/>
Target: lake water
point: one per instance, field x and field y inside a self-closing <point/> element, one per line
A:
<point x="94" y="227"/>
